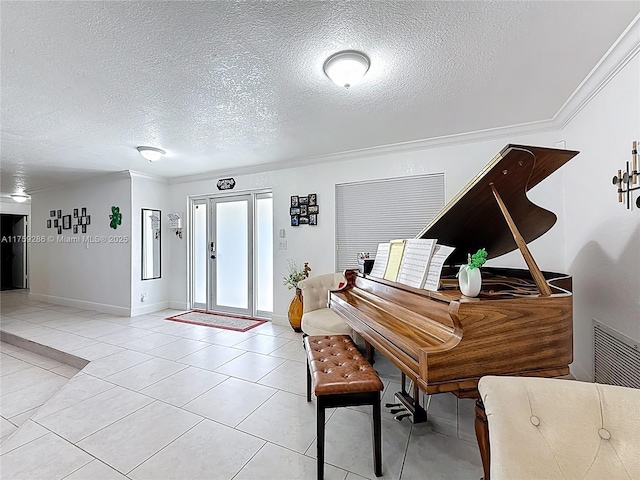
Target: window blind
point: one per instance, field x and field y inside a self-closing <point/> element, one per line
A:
<point x="368" y="213"/>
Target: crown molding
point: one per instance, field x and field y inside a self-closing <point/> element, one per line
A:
<point x="623" y="50"/>
<point x="104" y="177"/>
<point x="389" y="149"/>
<point x="148" y="176"/>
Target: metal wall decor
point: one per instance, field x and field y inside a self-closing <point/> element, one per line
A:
<point x="624" y="181"/>
<point x="304" y="210"/>
<point x="226" y="184"/>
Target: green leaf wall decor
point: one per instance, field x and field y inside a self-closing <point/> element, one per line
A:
<point x="116" y="217"/>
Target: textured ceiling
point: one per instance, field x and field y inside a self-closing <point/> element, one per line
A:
<point x="224" y="85"/>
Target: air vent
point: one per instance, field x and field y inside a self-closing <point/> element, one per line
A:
<point x="617" y="357"/>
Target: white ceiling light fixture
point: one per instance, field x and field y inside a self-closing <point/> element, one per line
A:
<point x="19" y="197"/>
<point x="346" y="68"/>
<point x="151" y="153"/>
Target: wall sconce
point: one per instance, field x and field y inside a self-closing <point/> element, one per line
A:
<point x="630" y="177"/>
<point x="175" y="222"/>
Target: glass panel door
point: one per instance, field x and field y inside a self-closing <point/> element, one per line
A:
<point x="231" y="255"/>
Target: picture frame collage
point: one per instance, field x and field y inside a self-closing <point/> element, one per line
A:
<point x="61" y="222"/>
<point x="304" y="210"/>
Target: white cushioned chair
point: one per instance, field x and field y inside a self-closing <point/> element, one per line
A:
<point x="317" y="319"/>
<point x="544" y="428"/>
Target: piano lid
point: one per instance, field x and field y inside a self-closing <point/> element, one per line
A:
<point x="473" y="220"/>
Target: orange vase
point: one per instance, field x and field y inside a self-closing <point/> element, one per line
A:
<point x="295" y="311"/>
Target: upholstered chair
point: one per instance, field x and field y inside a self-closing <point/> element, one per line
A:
<point x="317" y="319"/>
<point x="545" y="428"/>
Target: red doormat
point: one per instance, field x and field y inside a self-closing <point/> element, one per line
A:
<point x="217" y="320"/>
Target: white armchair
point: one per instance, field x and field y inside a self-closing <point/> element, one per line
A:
<point x="317" y="319"/>
<point x="545" y="428"/>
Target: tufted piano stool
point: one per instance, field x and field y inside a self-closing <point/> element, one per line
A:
<point x="342" y="377"/>
<point x="545" y="428"/>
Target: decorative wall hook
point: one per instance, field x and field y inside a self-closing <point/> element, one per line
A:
<point x="175" y="222"/>
<point x="624" y="181"/>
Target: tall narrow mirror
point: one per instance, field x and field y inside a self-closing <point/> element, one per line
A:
<point x="150" y="244"/>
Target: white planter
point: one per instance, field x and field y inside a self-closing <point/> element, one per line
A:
<point x="470" y="281"/>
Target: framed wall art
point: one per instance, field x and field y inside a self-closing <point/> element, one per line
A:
<point x="304" y="210"/>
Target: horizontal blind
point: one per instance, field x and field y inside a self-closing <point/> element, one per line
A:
<point x="369" y="213"/>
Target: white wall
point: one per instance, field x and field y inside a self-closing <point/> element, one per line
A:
<point x="152" y="193"/>
<point x="602" y="237"/>
<point x="86" y="275"/>
<point x="316" y="245"/>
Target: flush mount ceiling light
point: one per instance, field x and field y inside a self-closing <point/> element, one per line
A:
<point x="346" y="68"/>
<point x="151" y="153"/>
<point x="19" y="197"/>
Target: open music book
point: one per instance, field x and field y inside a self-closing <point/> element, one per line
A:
<point x="414" y="262"/>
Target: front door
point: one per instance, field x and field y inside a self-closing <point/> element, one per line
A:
<point x="231" y="254"/>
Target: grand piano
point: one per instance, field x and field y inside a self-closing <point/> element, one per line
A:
<point x="520" y="323"/>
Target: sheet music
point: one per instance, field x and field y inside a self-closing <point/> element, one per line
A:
<point x="415" y="261"/>
<point x="396" y="250"/>
<point x="380" y="262"/>
<point x="440" y="255"/>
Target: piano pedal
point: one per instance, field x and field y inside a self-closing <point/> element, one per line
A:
<point x="392" y="405"/>
<point x="401" y="416"/>
<point x="397" y="410"/>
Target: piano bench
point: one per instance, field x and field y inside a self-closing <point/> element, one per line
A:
<point x="341" y="377"/>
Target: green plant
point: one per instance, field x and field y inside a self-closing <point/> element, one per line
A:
<point x="477" y="259"/>
<point x="295" y="274"/>
<point x="474" y="261"/>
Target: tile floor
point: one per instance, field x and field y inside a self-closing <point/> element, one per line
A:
<point x="165" y="400"/>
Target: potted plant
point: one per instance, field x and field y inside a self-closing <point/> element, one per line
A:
<point x="469" y="276"/>
<point x="291" y="280"/>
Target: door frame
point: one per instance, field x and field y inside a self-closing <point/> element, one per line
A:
<point x="206" y="200"/>
<point x="26" y="246"/>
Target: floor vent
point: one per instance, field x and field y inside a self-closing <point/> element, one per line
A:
<point x="617" y="357"/>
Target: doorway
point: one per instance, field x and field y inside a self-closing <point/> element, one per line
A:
<point x="13" y="233"/>
<point x="232" y="254"/>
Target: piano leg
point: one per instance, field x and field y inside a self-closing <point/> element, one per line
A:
<point x="369" y="350"/>
<point x="482" y="435"/>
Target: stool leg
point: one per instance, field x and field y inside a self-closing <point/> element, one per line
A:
<point x="308" y="383"/>
<point x="377" y="436"/>
<point x="320" y="433"/>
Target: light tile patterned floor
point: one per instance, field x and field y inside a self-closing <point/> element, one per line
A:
<point x="160" y="400"/>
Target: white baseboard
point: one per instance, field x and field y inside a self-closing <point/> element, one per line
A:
<point x="152" y="307"/>
<point x="179" y="305"/>
<point x="580" y="373"/>
<point x="71" y="302"/>
<point x="280" y="320"/>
